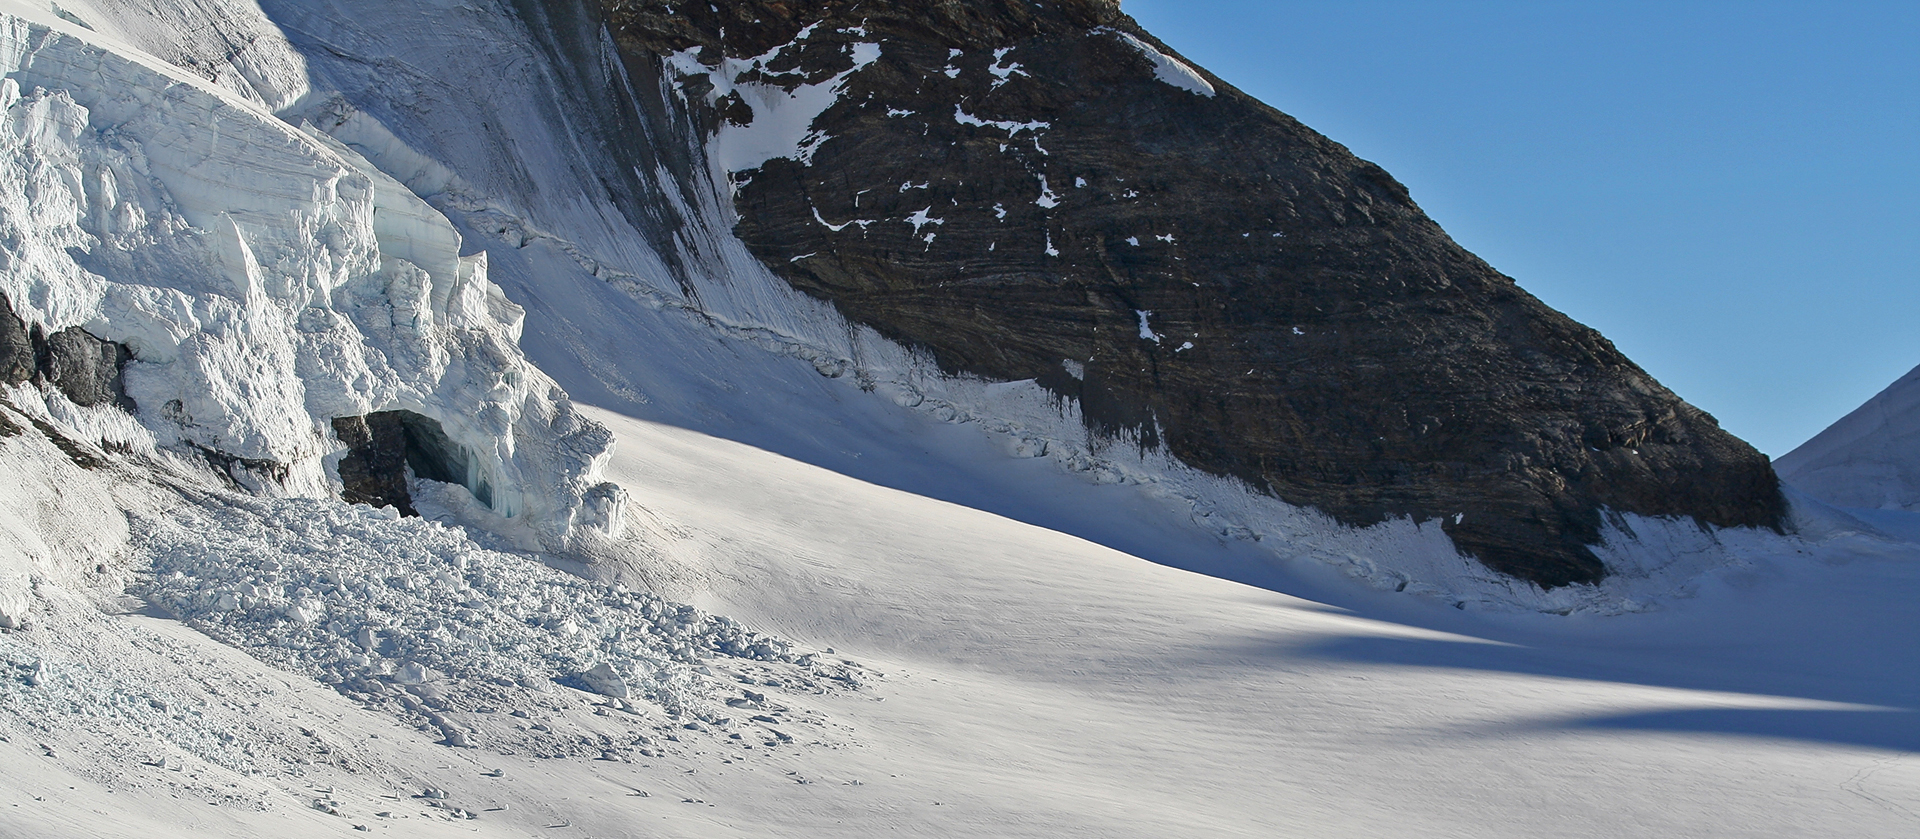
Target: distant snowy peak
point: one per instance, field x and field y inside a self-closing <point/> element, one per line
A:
<point x="1870" y="458"/>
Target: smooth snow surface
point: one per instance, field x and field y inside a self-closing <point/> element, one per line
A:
<point x="1870" y="459"/>
<point x="1015" y="682"/>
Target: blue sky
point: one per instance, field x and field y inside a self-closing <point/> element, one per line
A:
<point x="1728" y="190"/>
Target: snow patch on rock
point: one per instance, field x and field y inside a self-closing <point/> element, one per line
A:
<point x="1166" y="68"/>
<point x="783" y="115"/>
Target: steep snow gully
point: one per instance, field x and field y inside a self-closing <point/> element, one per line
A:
<point x="260" y="255"/>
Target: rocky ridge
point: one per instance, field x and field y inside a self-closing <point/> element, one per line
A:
<point x="1043" y="191"/>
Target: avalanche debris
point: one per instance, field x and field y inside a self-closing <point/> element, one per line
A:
<point x="418" y="618"/>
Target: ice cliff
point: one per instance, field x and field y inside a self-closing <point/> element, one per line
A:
<point x="265" y="280"/>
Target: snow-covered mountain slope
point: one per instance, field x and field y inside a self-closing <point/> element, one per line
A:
<point x="1870" y="459"/>
<point x="639" y="298"/>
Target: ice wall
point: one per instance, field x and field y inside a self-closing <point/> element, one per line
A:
<point x="266" y="277"/>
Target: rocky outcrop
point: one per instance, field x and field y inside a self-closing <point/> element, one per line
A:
<point x="84" y="368"/>
<point x="1043" y="191"/>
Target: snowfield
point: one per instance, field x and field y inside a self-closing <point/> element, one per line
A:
<point x="1021" y="682"/>
<point x="745" y="570"/>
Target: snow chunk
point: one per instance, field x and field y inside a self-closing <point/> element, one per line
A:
<point x="1166" y="68"/>
<point x="603" y="680"/>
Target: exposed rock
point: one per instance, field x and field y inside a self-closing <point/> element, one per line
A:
<point x="87" y="369"/>
<point x="248" y="473"/>
<point x="1043" y="191"/>
<point x="18" y="361"/>
<point x="374" y="470"/>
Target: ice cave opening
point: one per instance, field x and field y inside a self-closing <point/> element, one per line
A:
<point x="384" y="446"/>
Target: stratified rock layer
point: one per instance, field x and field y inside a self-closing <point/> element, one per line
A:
<point x="1036" y="191"/>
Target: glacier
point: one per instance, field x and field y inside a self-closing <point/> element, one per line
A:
<point x="285" y="209"/>
<point x="636" y="293"/>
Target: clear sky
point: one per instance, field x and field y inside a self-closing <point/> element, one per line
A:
<point x="1728" y="190"/>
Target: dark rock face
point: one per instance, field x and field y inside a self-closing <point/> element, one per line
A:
<point x="375" y="468"/>
<point x="1012" y="189"/>
<point x="84" y="368"/>
<point x="18" y="361"/>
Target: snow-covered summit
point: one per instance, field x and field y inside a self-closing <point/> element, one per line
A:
<point x="1870" y="458"/>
